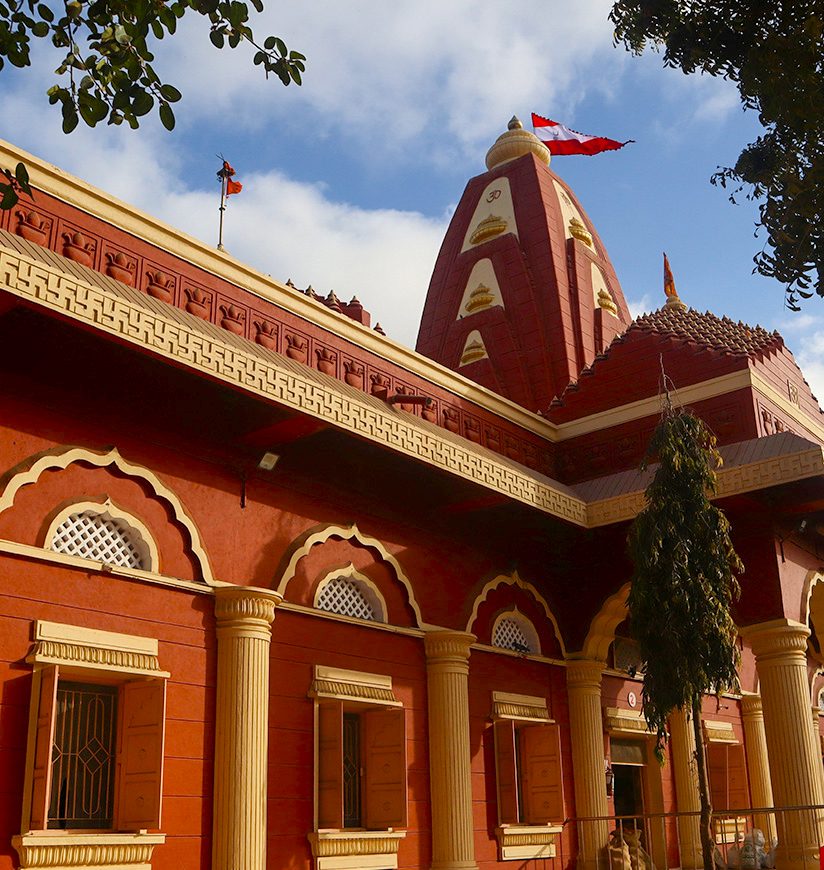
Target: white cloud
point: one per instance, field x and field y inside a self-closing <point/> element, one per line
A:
<point x="640" y="306"/>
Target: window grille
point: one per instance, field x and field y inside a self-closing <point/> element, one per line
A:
<point x="351" y="771"/>
<point x="626" y="655"/>
<point x="100" y="537"/>
<point x="82" y="791"/>
<point x="346" y="596"/>
<point x="509" y="634"/>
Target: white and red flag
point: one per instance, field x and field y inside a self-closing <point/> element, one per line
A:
<point x="562" y="140"/>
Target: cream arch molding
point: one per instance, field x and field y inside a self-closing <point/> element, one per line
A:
<point x="514" y="579"/>
<point x="62" y="458"/>
<point x="813" y="579"/>
<point x="602" y="629"/>
<point x="302" y="546"/>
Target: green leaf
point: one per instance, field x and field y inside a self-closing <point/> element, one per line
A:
<point x="167" y="117"/>
<point x="21" y="174"/>
<point x="10" y="197"/>
<point x="216" y="36"/>
<point x="170" y="93"/>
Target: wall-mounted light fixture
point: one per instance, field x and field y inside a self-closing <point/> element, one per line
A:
<point x="609" y="775"/>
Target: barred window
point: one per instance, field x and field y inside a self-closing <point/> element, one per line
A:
<point x="103" y="538"/>
<point x="83" y="757"/>
<point x="350" y="597"/>
<point x="516" y="633"/>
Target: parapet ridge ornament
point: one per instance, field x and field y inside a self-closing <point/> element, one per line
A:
<point x="578" y="230"/>
<point x="488" y="228"/>
<point x="515" y="143"/>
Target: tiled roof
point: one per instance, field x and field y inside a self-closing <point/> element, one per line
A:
<point x="709" y="330"/>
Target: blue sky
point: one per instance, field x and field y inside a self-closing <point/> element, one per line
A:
<point x="349" y="181"/>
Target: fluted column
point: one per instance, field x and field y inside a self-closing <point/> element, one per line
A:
<point x="758" y="764"/>
<point x="780" y="648"/>
<point x="244" y="618"/>
<point x="682" y="741"/>
<point x="447" y="675"/>
<point x="586" y="733"/>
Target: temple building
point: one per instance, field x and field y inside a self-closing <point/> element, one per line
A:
<point x="278" y="593"/>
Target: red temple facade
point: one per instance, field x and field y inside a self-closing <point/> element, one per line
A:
<point x="277" y="592"/>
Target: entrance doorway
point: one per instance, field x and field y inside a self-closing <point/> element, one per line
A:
<point x="628" y="790"/>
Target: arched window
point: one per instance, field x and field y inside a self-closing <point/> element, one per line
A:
<point x="514" y="631"/>
<point x="97" y="535"/>
<point x="350" y="596"/>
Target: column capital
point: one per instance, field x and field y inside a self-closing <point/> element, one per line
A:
<point x="448" y="646"/>
<point x="245" y="607"/>
<point x="584" y="673"/>
<point x="751" y="705"/>
<point x="776" y="638"/>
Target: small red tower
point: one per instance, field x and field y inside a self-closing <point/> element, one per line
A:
<point x="523" y="295"/>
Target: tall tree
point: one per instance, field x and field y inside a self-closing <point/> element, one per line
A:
<point x="774" y="52"/>
<point x="683" y="586"/>
<point x="105" y="51"/>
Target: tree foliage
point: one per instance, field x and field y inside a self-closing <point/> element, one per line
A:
<point x="774" y="51"/>
<point x="106" y="51"/>
<point x="683" y="586"/>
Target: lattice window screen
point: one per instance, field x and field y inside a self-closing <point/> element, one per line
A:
<point x="346" y="596"/>
<point x="99" y="537"/>
<point x="510" y="635"/>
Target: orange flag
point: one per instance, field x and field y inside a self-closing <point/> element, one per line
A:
<point x="669" y="281"/>
<point x="226" y="171"/>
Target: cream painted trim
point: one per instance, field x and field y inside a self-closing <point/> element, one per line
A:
<point x="58" y="850"/>
<point x="629" y="722"/>
<point x="602" y="628"/>
<point x="170" y="333"/>
<point x="514" y="579"/>
<point x="719" y="732"/>
<point x="372" y="591"/>
<point x="652" y="405"/>
<point x="358" y="850"/>
<point x="115" y="512"/>
<point x="38" y="554"/>
<point x="73" y="646"/>
<point x="792" y="411"/>
<point x="526" y="842"/>
<point x="745" y="378"/>
<point x="351" y="620"/>
<point x="730" y="481"/>
<point x="356" y="686"/>
<point x="95" y="202"/>
<point x="62" y="457"/>
<point x="508" y="705"/>
<point x="496" y="650"/>
<point x="347" y="533"/>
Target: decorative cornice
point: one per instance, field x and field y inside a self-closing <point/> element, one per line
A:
<point x="526" y="842"/>
<point x="138" y="319"/>
<point x="332" y="844"/>
<point x="49" y="652"/>
<point x="448" y="646"/>
<point x="506" y="705"/>
<point x="719" y="732"/>
<point x="86" y="850"/>
<point x="346" y="685"/>
<point x="75" y="646"/>
<point x="625" y="721"/>
<point x="730" y="481"/>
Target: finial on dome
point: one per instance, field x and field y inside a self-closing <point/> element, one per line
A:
<point x="514" y="143"/>
<point x="673" y="299"/>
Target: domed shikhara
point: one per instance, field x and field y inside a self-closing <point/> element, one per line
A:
<point x="523" y="295"/>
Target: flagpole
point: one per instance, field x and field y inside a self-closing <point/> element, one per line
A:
<point x="223" y="178"/>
